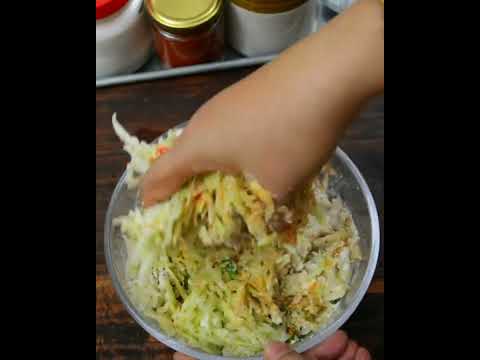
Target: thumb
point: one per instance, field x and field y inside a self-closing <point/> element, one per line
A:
<point x="166" y="176"/>
<point x="280" y="351"/>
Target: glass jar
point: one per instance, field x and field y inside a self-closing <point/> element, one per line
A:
<point x="187" y="32"/>
<point x="266" y="27"/>
<point x="123" y="37"/>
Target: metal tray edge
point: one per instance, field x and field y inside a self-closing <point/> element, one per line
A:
<point x="188" y="70"/>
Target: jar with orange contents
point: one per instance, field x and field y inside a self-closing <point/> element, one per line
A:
<point x="187" y="32"/>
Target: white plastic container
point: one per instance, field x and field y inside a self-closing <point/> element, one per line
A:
<point x="258" y="33"/>
<point x="124" y="39"/>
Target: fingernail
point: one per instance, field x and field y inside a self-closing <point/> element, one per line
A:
<point x="275" y="350"/>
<point x="363" y="354"/>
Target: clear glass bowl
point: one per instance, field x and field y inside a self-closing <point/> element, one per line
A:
<point x="348" y="183"/>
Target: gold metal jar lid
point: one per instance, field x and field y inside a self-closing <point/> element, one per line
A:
<point x="183" y="14"/>
<point x="269" y="6"/>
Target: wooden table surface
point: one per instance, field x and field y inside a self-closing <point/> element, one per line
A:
<point x="146" y="110"/>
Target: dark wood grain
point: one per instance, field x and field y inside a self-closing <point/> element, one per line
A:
<point x="148" y="109"/>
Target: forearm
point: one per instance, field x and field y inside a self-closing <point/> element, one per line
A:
<point x="344" y="61"/>
<point x="346" y="56"/>
<point x="336" y="69"/>
<point x="317" y="85"/>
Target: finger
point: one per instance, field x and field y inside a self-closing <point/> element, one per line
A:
<point x="331" y="348"/>
<point x="280" y="351"/>
<point x="166" y="176"/>
<point x="350" y="351"/>
<point x="181" y="356"/>
<point x="363" y="354"/>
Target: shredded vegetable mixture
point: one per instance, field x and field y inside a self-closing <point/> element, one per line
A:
<point x="221" y="267"/>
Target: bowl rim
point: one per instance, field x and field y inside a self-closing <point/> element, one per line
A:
<point x="179" y="345"/>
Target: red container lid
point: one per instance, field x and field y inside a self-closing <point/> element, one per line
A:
<point x="108" y="7"/>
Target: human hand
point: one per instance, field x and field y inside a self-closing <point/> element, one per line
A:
<point x="336" y="347"/>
